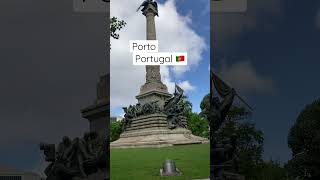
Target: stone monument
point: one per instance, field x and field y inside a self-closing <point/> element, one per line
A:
<point x="87" y="157"/>
<point x="98" y="113"/>
<point x="157" y="119"/>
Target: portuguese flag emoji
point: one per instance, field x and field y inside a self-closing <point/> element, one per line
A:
<point x="179" y="58"/>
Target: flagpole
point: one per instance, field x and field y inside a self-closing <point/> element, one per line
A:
<point x="244" y="102"/>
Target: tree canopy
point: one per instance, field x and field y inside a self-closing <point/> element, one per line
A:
<point x="115" y="130"/>
<point x="116" y="25"/>
<point x="304" y="142"/>
<point x="250" y="140"/>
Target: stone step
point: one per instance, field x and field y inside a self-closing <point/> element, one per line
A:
<point x="146" y="118"/>
<point x="135" y="124"/>
<point x="146" y="126"/>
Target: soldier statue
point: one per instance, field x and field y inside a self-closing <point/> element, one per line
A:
<point x="223" y="151"/>
<point x="174" y="109"/>
<point x="145" y="5"/>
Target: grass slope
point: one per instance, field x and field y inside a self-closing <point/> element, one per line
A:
<point x="144" y="164"/>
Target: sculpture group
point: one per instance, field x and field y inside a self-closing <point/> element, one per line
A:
<point x="77" y="158"/>
<point x="173" y="108"/>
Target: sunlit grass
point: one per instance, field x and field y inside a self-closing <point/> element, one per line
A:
<point x="138" y="164"/>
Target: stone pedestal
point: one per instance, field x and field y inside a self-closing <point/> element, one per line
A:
<point x="153" y="121"/>
<point x="230" y="176"/>
<point x="152" y="131"/>
<point x="233" y="176"/>
<point x="156" y="137"/>
<point x="98" y="113"/>
<point x="97" y="116"/>
<point x="152" y="96"/>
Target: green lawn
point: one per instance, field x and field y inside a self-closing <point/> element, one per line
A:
<point x="144" y="164"/>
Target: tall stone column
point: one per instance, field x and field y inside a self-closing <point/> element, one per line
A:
<point x="152" y="72"/>
<point x="153" y="89"/>
<point x="150" y="12"/>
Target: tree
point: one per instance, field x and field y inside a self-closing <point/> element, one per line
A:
<point x="304" y="142"/>
<point x="205" y="107"/>
<point x="268" y="170"/>
<point x="115" y="131"/>
<point x="116" y="25"/>
<point x="250" y="140"/>
<point x="250" y="144"/>
<point x="197" y="125"/>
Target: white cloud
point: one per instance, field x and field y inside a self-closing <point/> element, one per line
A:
<point x="174" y="34"/>
<point x="186" y="86"/>
<point x="166" y="79"/>
<point x="228" y="26"/>
<point x="244" y="78"/>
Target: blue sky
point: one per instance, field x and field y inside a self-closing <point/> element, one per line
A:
<point x="285" y="48"/>
<point x="199" y="76"/>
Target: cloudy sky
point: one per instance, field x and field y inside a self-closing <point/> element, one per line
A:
<point x="181" y="26"/>
<point x="270" y="54"/>
<point x="51" y="60"/>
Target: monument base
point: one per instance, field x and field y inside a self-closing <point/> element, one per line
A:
<point x="98" y="175"/>
<point x="233" y="176"/>
<point x="230" y="176"/>
<point x="157" y="137"/>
